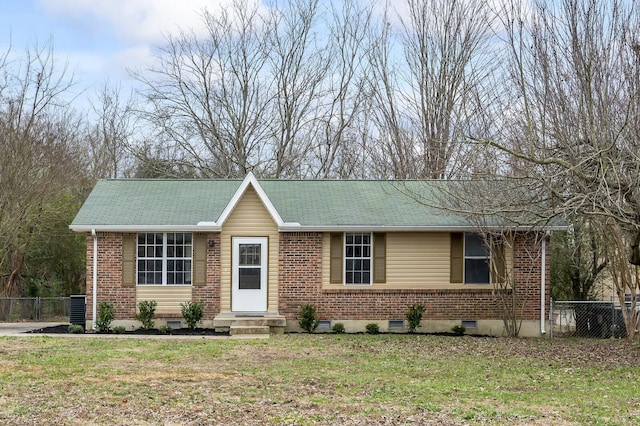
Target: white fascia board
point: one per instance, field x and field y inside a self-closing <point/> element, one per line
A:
<point x="144" y="228"/>
<point x="295" y="227"/>
<point x="368" y="228"/>
<point x="383" y="228"/>
<point x="250" y="179"/>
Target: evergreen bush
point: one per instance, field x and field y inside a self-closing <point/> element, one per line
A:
<point x="146" y="313"/>
<point x="414" y="316"/>
<point x="308" y="319"/>
<point x="106" y="314"/>
<point x="373" y="328"/>
<point x="192" y="312"/>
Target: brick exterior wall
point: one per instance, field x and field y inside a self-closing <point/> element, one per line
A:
<point x="301" y="282"/>
<point x="124" y="298"/>
<point x="109" y="276"/>
<point x="209" y="294"/>
<point x="527" y="272"/>
<point x="300" y="273"/>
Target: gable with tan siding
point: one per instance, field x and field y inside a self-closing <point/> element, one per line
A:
<point x="249" y="218"/>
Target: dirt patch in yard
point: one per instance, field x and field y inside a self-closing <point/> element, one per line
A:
<point x="319" y="379"/>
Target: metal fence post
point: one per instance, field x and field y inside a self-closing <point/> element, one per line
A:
<point x="612" y="328"/>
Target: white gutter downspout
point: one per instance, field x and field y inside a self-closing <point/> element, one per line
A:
<point x="95" y="277"/>
<point x="543" y="285"/>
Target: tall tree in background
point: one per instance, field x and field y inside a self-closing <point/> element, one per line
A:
<point x="209" y="95"/>
<point x="266" y="89"/>
<point x="39" y="155"/>
<point x="425" y="100"/>
<point x="571" y="119"/>
<point x="298" y="65"/>
<point x="109" y="138"/>
<point x="578" y="263"/>
<point x="342" y="133"/>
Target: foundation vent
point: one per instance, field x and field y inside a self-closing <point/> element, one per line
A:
<point x="469" y="324"/>
<point x="396" y="324"/>
<point x="174" y="324"/>
<point x="324" y="325"/>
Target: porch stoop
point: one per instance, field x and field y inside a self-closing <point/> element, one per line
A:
<point x="250" y="324"/>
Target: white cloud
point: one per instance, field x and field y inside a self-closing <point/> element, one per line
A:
<point x="133" y="21"/>
<point x="135" y="58"/>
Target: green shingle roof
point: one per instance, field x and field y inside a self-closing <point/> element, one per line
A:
<point x="355" y="203"/>
<point x="131" y="203"/>
<point x="155" y="202"/>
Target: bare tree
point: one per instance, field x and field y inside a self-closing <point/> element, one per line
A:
<point x="299" y="64"/>
<point x="578" y="262"/>
<point x="342" y="131"/>
<point x="425" y="99"/>
<point x="512" y="220"/>
<point x="276" y="90"/>
<point x="39" y="154"/>
<point x="571" y="118"/>
<point x="109" y="138"/>
<point x="210" y="97"/>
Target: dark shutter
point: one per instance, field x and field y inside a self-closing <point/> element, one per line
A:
<point x="336" y="260"/>
<point x="199" y="260"/>
<point x="457" y="257"/>
<point x="128" y="260"/>
<point x="379" y="258"/>
<point x="498" y="261"/>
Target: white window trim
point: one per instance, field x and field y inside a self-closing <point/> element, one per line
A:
<point x="164" y="259"/>
<point x="344" y="260"/>
<point x="465" y="257"/>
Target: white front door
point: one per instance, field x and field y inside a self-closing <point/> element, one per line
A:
<point x="249" y="276"/>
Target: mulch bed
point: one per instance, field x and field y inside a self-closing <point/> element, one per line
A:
<point x="64" y="329"/>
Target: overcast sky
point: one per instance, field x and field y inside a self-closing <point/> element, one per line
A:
<point x="99" y="38"/>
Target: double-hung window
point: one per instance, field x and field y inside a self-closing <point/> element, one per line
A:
<point x="164" y="258"/>
<point x="476" y="260"/>
<point x="357" y="259"/>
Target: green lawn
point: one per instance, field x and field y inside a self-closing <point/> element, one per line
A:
<point x="319" y="379"/>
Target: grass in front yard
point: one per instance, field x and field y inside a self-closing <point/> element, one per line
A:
<point x="319" y="379"/>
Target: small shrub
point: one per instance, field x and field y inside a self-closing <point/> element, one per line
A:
<point x="373" y="328"/>
<point x="192" y="313"/>
<point x="118" y="329"/>
<point x="308" y="319"/>
<point x="146" y="313"/>
<point x="414" y="316"/>
<point x="106" y="314"/>
<point x="165" y="329"/>
<point x="338" y="328"/>
<point x="458" y="330"/>
<point x="76" y="329"/>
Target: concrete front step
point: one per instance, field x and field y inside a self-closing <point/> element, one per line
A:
<point x="273" y="323"/>
<point x="236" y="330"/>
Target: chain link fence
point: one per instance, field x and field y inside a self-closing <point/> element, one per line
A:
<point x="14" y="309"/>
<point x="599" y="320"/>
